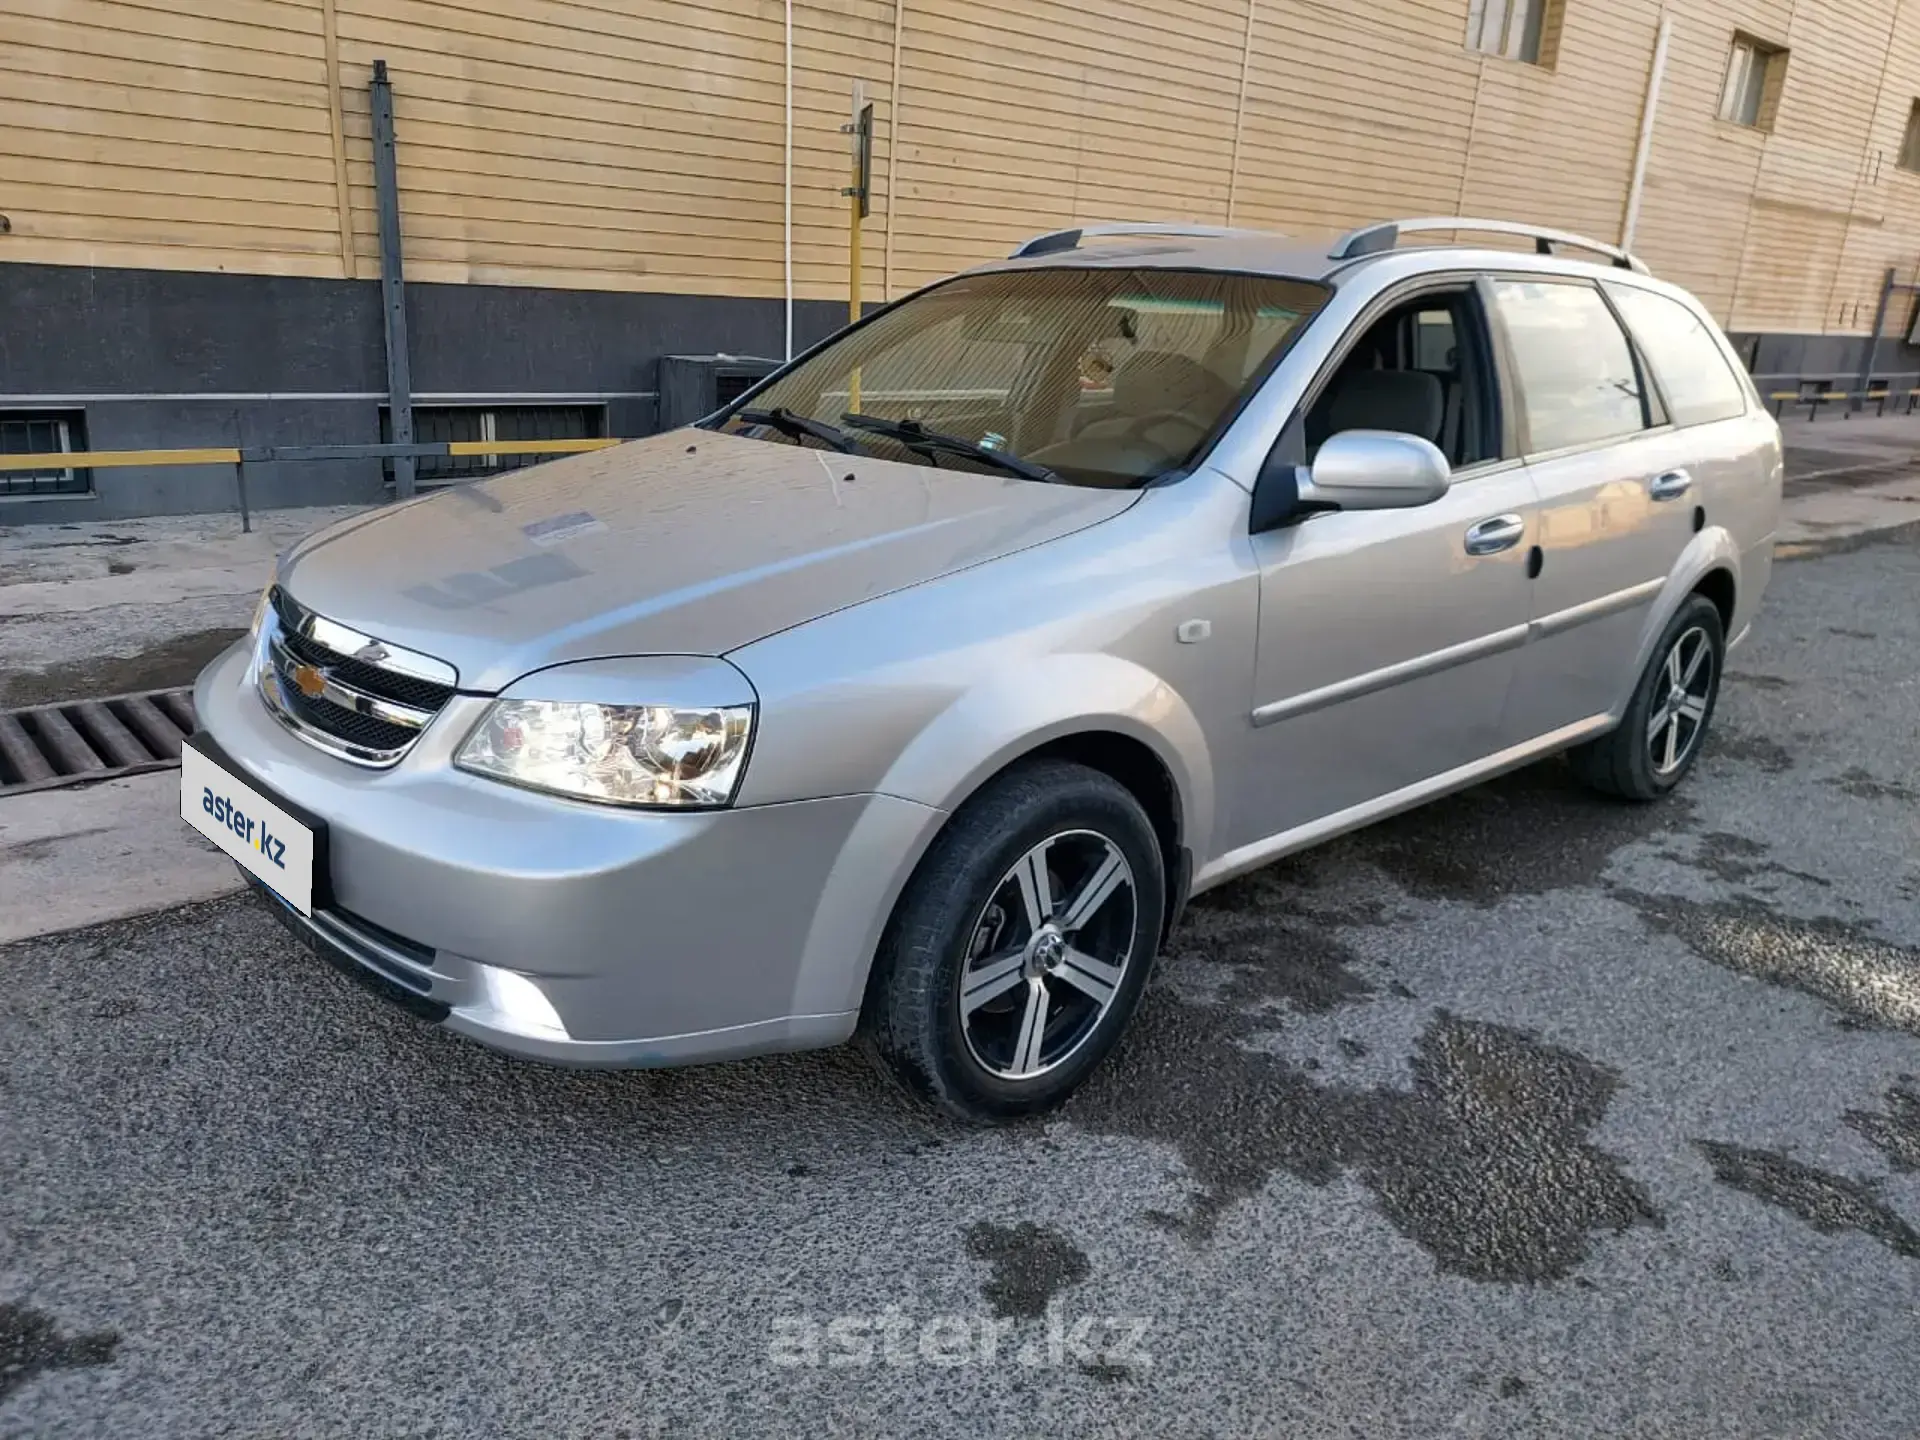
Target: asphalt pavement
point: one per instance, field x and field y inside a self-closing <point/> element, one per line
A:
<point x="1528" y="1114"/>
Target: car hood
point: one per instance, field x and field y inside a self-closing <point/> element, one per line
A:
<point x="692" y="543"/>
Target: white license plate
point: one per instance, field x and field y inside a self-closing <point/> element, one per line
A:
<point x="269" y="843"/>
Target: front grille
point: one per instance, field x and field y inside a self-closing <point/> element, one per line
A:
<point x="348" y="725"/>
<point x="386" y="683"/>
<point x="344" y="692"/>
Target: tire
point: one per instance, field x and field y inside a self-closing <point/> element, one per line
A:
<point x="967" y="913"/>
<point x="1630" y="761"/>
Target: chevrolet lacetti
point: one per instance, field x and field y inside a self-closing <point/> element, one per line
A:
<point x="913" y="695"/>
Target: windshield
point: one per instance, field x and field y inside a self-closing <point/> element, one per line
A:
<point x="1103" y="377"/>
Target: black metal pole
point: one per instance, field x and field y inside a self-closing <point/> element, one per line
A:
<point x="393" y="285"/>
<point x="1873" y="345"/>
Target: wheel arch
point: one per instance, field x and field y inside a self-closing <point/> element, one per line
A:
<point x="1111" y="714"/>
<point x="1710" y="566"/>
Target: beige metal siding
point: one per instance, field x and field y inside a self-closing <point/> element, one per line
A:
<point x="132" y="134"/>
<point x="638" y="144"/>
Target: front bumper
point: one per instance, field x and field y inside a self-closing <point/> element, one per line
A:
<point x="576" y="933"/>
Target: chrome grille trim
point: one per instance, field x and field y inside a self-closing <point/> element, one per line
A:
<point x="349" y="697"/>
<point x="344" y="718"/>
<point x="352" y="645"/>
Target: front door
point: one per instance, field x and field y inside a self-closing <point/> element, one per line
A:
<point x="1615" y="498"/>
<point x="1388" y="638"/>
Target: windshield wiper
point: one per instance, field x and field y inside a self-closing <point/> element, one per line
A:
<point x="788" y="423"/>
<point x="916" y="437"/>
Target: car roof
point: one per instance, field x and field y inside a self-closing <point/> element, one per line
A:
<point x="1259" y="252"/>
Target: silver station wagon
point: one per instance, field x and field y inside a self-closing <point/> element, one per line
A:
<point x="911" y="697"/>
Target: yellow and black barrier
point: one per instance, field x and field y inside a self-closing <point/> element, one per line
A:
<point x="240" y="457"/>
<point x="1815" y="399"/>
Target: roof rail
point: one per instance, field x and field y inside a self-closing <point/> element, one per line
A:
<point x="1376" y="239"/>
<point x="1056" y="240"/>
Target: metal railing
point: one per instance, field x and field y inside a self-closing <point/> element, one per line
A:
<point x="239" y="457"/>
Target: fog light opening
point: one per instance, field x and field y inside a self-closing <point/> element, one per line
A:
<point x="520" y="1005"/>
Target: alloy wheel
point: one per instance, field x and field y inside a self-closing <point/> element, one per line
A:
<point x="1048" y="955"/>
<point x="1683" y="688"/>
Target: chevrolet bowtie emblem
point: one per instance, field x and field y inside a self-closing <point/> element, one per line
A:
<point x="310" y="681"/>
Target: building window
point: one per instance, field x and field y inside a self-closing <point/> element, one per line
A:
<point x="1511" y="29"/>
<point x="1755" y="73"/>
<point x="43" y="432"/>
<point x="1910" y="147"/>
<point x="433" y="424"/>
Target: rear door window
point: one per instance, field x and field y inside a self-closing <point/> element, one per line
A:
<point x="1687" y="360"/>
<point x="1578" y="380"/>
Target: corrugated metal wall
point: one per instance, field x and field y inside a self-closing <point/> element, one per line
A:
<point x="637" y="144"/>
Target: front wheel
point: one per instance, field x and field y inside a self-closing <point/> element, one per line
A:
<point x="1666" y="721"/>
<point x="1020" y="948"/>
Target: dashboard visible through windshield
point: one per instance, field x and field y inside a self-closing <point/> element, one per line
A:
<point x="1106" y="377"/>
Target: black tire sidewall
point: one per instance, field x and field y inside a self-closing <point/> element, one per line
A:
<point x="1698" y="612"/>
<point x="926" y="947"/>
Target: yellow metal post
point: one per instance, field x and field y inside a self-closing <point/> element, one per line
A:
<point x="853" y="272"/>
<point x="859" y="133"/>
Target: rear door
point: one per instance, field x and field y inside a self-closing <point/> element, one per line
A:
<point x="1613" y="484"/>
<point x="1729" y="447"/>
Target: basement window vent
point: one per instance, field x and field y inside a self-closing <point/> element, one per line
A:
<point x="43" y="432"/>
<point x="433" y="424"/>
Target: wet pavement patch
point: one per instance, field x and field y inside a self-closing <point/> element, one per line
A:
<point x="1829" y="1203"/>
<point x="1528" y="833"/>
<point x="1896" y="1134"/>
<point x="177" y="662"/>
<point x="1272" y="962"/>
<point x="1756" y="750"/>
<point x="1863" y="786"/>
<point x="1739" y="860"/>
<point x="1484" y="1163"/>
<point x="1870" y="981"/>
<point x="1031" y="1264"/>
<point x="30" y="1344"/>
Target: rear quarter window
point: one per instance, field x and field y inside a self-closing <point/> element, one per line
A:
<point x="1699" y="385"/>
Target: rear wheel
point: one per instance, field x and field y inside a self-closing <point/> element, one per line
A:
<point x="1018" y="953"/>
<point x="1666" y="721"/>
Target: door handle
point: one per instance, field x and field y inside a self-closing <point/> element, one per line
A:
<point x="1490" y="537"/>
<point x="1670" y="486"/>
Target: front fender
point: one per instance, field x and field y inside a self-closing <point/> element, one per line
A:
<point x="985" y="729"/>
<point x="993" y="724"/>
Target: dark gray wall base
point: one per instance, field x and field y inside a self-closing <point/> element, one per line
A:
<point x="175" y="359"/>
<point x="1834" y="357"/>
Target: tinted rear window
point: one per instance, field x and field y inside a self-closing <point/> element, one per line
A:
<point x="1693" y="372"/>
<point x="1577" y="379"/>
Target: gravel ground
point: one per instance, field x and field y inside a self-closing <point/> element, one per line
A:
<point x="1527" y="1114"/>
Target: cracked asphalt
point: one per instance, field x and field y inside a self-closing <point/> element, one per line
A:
<point x="1526" y="1114"/>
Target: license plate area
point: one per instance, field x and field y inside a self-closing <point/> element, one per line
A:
<point x="280" y="844"/>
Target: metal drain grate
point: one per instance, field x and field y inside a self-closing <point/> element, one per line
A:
<point x="45" y="746"/>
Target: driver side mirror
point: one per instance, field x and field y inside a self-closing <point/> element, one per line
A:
<point x="1375" y="470"/>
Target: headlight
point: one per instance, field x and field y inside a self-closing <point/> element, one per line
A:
<point x="615" y="754"/>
